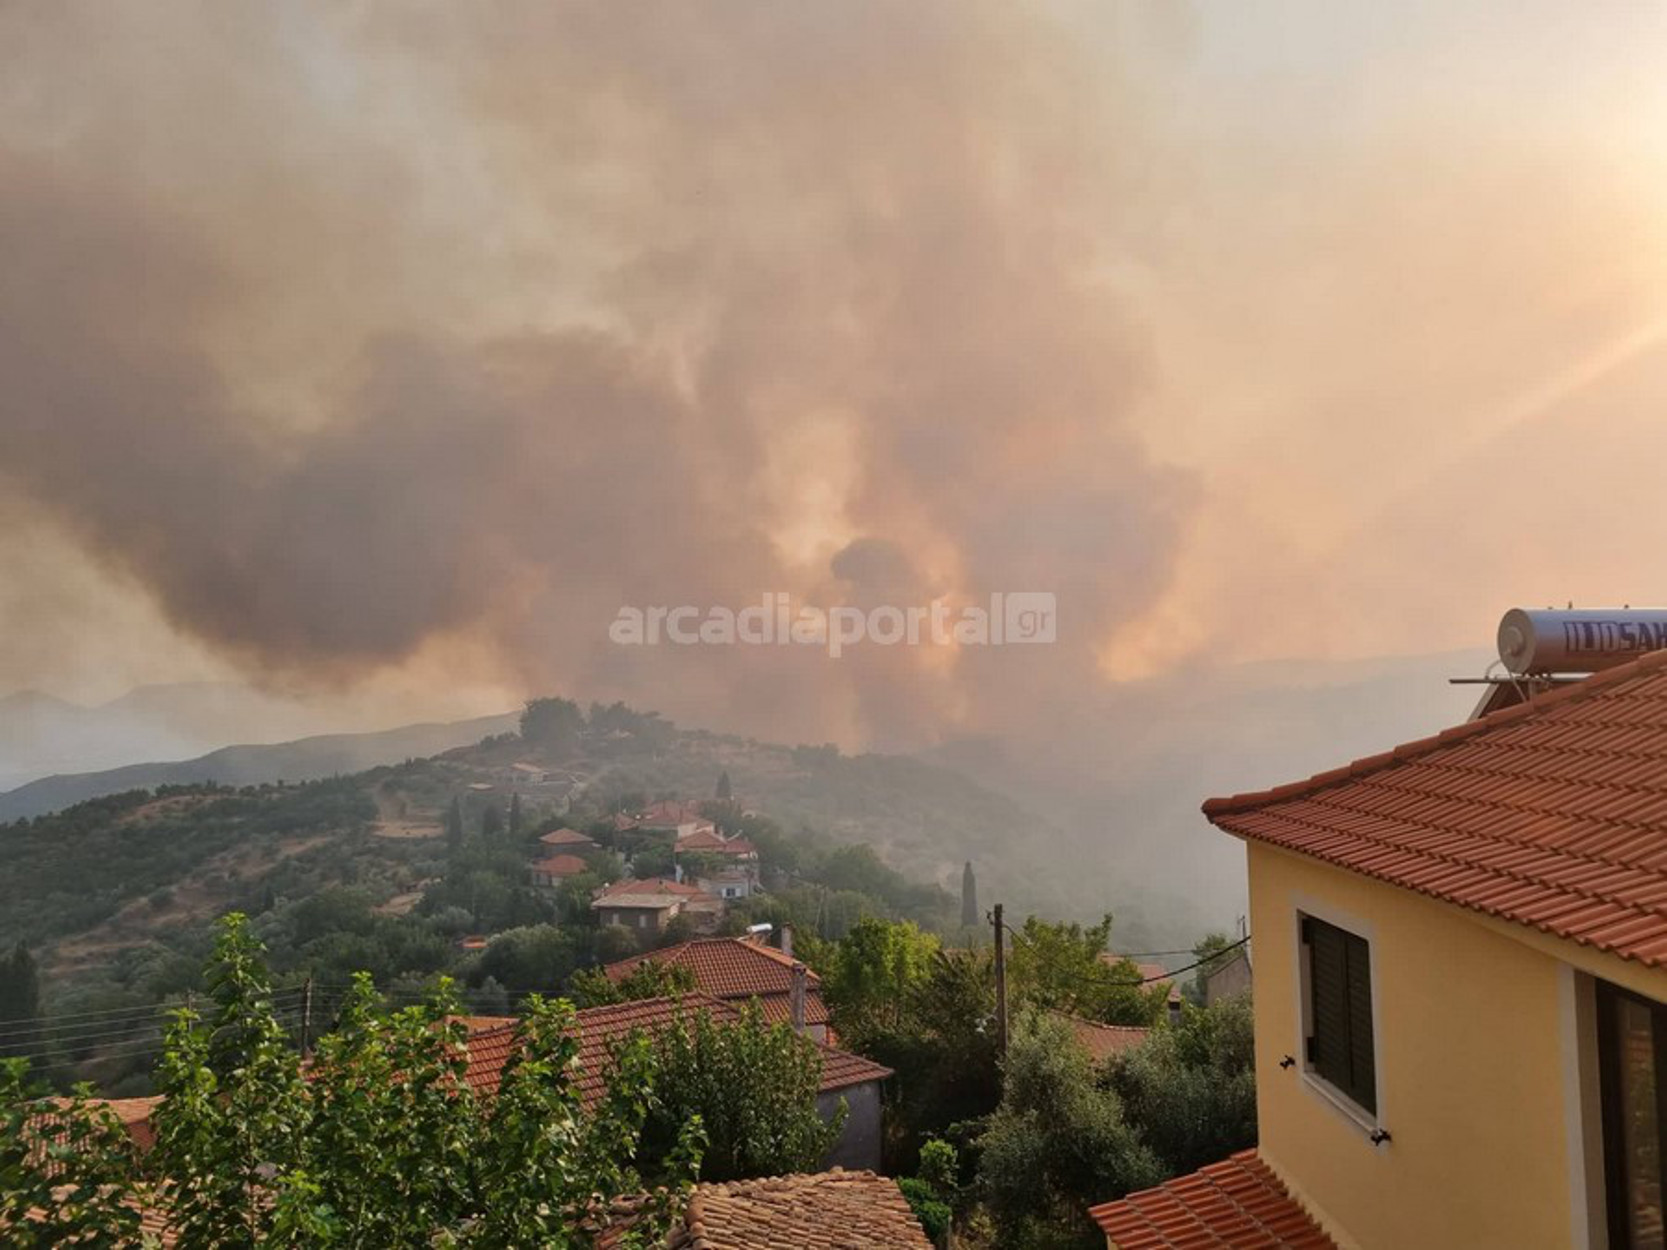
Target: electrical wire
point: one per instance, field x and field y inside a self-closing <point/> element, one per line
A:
<point x="79" y="1021"/>
<point x="1167" y="976"/>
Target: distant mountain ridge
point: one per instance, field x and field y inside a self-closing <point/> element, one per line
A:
<point x="303" y="759"/>
<point x="42" y="734"/>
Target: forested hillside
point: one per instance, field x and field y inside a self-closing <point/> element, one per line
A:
<point x="405" y="870"/>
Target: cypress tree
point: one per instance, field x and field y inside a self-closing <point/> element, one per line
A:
<point x="515" y="815"/>
<point x="20" y="999"/>
<point x="969" y="898"/>
<point x="725" y="794"/>
<point x="454" y="824"/>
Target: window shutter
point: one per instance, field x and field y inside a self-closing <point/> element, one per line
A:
<point x="1329" y="989"/>
<point x="1362" y="1085"/>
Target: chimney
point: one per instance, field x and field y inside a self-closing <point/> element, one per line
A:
<point x="797" y="998"/>
<point x="784" y="936"/>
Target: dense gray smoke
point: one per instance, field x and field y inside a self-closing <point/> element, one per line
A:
<point x="353" y="340"/>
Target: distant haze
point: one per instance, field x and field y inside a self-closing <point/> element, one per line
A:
<point x="384" y="352"/>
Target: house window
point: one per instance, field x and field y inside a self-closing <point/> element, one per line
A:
<point x="1632" y="1071"/>
<point x="1338" y="1020"/>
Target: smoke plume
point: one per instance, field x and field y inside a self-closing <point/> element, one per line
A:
<point x="359" y="340"/>
<point x="342" y="341"/>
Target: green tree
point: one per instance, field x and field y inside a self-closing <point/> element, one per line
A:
<point x="551" y="1174"/>
<point x="489" y="998"/>
<point x="873" y="971"/>
<point x="20" y="1002"/>
<point x="393" y="1126"/>
<point x="1190" y="1090"/>
<point x="943" y="1051"/>
<point x="66" y="1168"/>
<point x="1062" y="967"/>
<point x="652" y="978"/>
<point x="1058" y="1142"/>
<point x="970" y="919"/>
<point x="384" y="1144"/>
<point x="492" y="822"/>
<point x="232" y="1105"/>
<point x="754" y="1087"/>
<point x="653" y="861"/>
<point x="515" y="818"/>
<point x="532" y="958"/>
<point x="725" y="793"/>
<point x="933" y="1192"/>
<point x="554" y="724"/>
<point x="454" y="825"/>
<point x="1209" y="954"/>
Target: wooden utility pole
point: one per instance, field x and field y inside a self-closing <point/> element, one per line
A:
<point x="1001" y="982"/>
<point x="307" y="1018"/>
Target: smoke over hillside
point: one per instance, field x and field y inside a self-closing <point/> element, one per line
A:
<point x="679" y="307"/>
<point x="344" y="341"/>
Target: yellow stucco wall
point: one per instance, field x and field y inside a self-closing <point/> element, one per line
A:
<point x="1473" y="1032"/>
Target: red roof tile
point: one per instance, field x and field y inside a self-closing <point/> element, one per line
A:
<point x="560" y="866"/>
<point x="834" y="1210"/>
<point x="1551" y="814"/>
<point x="704" y="838"/>
<point x="724" y="967"/>
<point x="651" y="892"/>
<point x="736" y="969"/>
<point x="1104" y="1040"/>
<point x="1151" y="974"/>
<point x="1237" y="1204"/>
<point x="669" y="813"/>
<point x="566" y="837"/>
<point x="601" y="1027"/>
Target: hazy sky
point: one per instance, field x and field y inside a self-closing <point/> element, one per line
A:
<point x="391" y="348"/>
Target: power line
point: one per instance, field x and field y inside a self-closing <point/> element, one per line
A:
<point x="1166" y="976"/>
<point x="114" y="1016"/>
<point x="1190" y="950"/>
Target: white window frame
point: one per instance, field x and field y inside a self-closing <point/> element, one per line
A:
<point x="1316" y="1085"/>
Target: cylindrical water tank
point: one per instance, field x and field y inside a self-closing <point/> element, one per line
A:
<point x="1534" y="641"/>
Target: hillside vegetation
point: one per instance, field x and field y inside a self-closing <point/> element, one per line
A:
<point x="390" y="869"/>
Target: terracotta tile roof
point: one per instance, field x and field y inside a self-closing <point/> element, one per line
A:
<point x="565" y="837"/>
<point x="1552" y="813"/>
<point x="736" y="969"/>
<point x="669" y="813"/>
<point x="1156" y="974"/>
<point x="560" y="866"/>
<point x="778" y="1008"/>
<point x="134" y="1114"/>
<point x="725" y="967"/>
<point x="704" y="838"/>
<point x="841" y="1069"/>
<point x="153" y="1224"/>
<point x="654" y="893"/>
<point x="601" y="1027"/>
<point x="834" y="1210"/>
<point x="1104" y="1040"/>
<point x="1237" y="1204"/>
<point x="483" y="1024"/>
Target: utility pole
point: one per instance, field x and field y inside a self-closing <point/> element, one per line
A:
<point x="1001" y="982"/>
<point x="307" y="1017"/>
